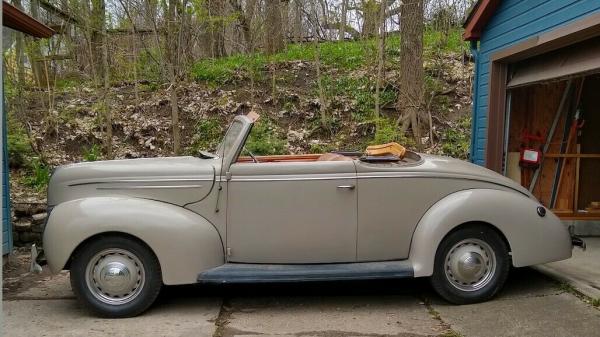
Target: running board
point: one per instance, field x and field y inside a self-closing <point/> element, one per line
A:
<point x="256" y="273"/>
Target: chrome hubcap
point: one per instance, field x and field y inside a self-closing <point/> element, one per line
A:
<point x="115" y="276"/>
<point x="470" y="265"/>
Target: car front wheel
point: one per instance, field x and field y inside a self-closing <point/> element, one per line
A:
<point x="471" y="265"/>
<point x="116" y="276"/>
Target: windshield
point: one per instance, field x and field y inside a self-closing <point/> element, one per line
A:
<point x="226" y="146"/>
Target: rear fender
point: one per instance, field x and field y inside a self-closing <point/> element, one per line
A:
<point x="533" y="239"/>
<point x="184" y="242"/>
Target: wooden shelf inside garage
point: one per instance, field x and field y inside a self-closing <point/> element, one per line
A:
<point x="569" y="177"/>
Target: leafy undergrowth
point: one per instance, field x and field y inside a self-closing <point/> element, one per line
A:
<point x="282" y="88"/>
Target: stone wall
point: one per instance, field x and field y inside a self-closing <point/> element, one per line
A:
<point x="28" y="221"/>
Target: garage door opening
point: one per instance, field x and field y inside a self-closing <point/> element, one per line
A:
<point x="552" y="141"/>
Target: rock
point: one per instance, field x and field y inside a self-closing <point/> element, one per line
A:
<point x="22" y="225"/>
<point x="29" y="237"/>
<point x="39" y="219"/>
<point x="28" y="208"/>
<point x="148" y="143"/>
<point x="38" y="228"/>
<point x="295" y="135"/>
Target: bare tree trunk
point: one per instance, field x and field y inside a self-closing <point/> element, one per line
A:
<point x="134" y="57"/>
<point x="343" y="19"/>
<point x="107" y="110"/>
<point x="19" y="51"/>
<point x="380" y="61"/>
<point x="175" y="114"/>
<point x="245" y="19"/>
<point x="97" y="24"/>
<point x="274" y="33"/>
<point x="370" y="11"/>
<point x="285" y="21"/>
<point x="37" y="65"/>
<point x="151" y="14"/>
<point x="172" y="49"/>
<point x="216" y="27"/>
<point x="410" y="95"/>
<point x="248" y="33"/>
<point x="297" y="21"/>
<point x="322" y="100"/>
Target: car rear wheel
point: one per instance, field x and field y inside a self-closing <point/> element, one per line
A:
<point x="116" y="276"/>
<point x="471" y="265"/>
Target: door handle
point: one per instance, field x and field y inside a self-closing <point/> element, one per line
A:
<point x="348" y="187"/>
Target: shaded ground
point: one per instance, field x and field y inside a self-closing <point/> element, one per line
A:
<point x="530" y="305"/>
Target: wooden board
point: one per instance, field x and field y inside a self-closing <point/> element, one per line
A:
<point x="589" y="177"/>
<point x="513" y="170"/>
<point x="566" y="179"/>
<point x="533" y="108"/>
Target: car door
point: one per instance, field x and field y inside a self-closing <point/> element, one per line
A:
<point x="292" y="212"/>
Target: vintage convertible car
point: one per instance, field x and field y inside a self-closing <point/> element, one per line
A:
<point x="124" y="228"/>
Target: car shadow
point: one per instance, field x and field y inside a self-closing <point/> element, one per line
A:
<point x="299" y="289"/>
<point x="521" y="282"/>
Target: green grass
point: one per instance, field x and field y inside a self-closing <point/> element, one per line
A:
<point x="360" y="90"/>
<point x="456" y="141"/>
<point x="38" y="174"/>
<point x="92" y="153"/>
<point x="386" y="131"/>
<point x="347" y="55"/>
<point x="207" y="135"/>
<point x="266" y="139"/>
<point x="433" y="40"/>
<point x="19" y="148"/>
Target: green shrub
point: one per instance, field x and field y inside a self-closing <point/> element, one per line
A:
<point x="19" y="148"/>
<point x="265" y="139"/>
<point x="361" y="91"/>
<point x="456" y="140"/>
<point x="321" y="148"/>
<point x="386" y="131"/>
<point x="147" y="68"/>
<point x="207" y="135"/>
<point x="38" y="174"/>
<point x="66" y="83"/>
<point x="92" y="153"/>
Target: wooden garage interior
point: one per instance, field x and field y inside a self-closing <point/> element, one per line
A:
<point x="553" y="108"/>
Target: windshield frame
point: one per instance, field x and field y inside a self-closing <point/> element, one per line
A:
<point x="222" y="151"/>
<point x="228" y="153"/>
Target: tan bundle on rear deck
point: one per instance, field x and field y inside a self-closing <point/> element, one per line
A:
<point x="389" y="149"/>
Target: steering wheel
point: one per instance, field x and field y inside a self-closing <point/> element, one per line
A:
<point x="251" y="155"/>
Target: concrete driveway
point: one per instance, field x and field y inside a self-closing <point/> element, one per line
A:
<point x="530" y="305"/>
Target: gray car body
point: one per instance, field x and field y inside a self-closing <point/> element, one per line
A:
<point x="196" y="214"/>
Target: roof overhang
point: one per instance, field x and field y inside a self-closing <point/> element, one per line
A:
<point x="478" y="18"/>
<point x="16" y="19"/>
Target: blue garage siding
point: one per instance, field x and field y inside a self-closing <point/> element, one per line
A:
<point x="513" y="22"/>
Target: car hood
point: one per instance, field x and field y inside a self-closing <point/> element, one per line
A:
<point x="177" y="180"/>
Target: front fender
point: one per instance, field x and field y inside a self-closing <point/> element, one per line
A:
<point x="184" y="242"/>
<point x="533" y="239"/>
